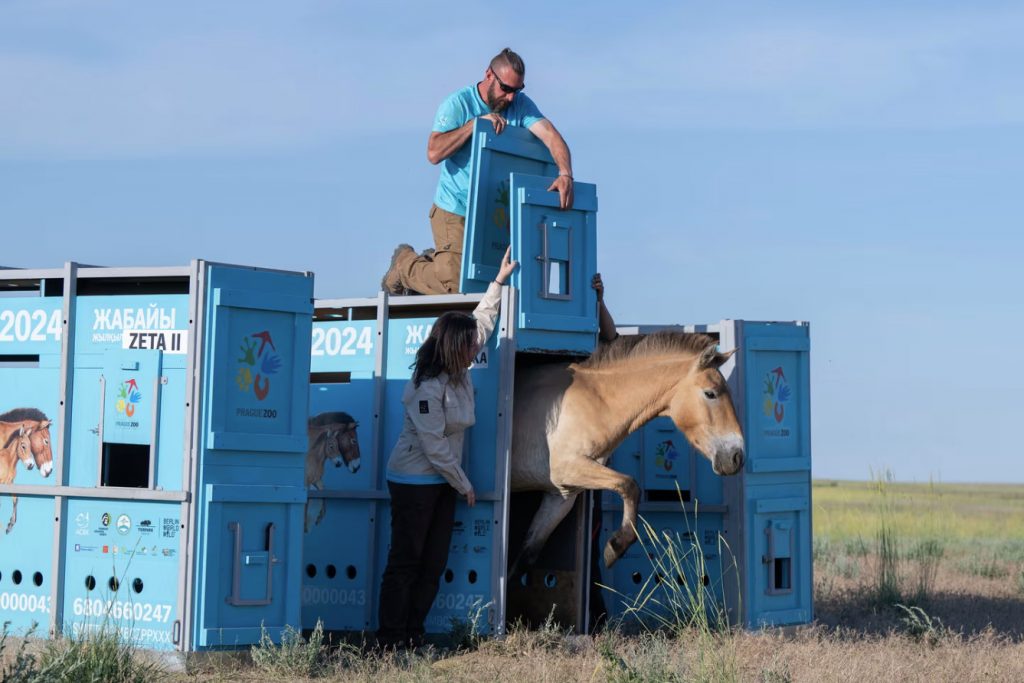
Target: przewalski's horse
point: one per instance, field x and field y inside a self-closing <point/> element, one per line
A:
<point x="569" y="417"/>
<point x="332" y="436"/>
<point x="25" y="436"/>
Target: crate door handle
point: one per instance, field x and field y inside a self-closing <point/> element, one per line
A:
<point x="250" y="559"/>
<point x="560" y="268"/>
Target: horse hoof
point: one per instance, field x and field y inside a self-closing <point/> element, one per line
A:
<point x="610" y="555"/>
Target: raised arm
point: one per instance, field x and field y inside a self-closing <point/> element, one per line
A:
<point x="553" y="140"/>
<point x="440" y="146"/>
<point x="605" y="324"/>
<point x="486" y="312"/>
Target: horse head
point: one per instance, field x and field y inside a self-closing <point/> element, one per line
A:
<point x="702" y="409"/>
<point x="38" y="436"/>
<point x="323" y="444"/>
<point x="18" y="439"/>
<point x="338" y="428"/>
<point x="348" y="444"/>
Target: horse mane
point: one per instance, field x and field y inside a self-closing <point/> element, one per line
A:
<point x="15" y="434"/>
<point x="338" y="417"/>
<point x="660" y="343"/>
<point x="19" y="414"/>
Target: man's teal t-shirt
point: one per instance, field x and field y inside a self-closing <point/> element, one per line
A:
<point x="457" y="109"/>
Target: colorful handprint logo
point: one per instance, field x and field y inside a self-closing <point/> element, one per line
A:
<point x="128" y="395"/>
<point x="500" y="217"/>
<point x="258" y="363"/>
<point x="776" y="394"/>
<point x="665" y="455"/>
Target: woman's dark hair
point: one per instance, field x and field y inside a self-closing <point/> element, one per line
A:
<point x="446" y="348"/>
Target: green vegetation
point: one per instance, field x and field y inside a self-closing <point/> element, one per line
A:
<point x="466" y="633"/>
<point x="294" y="656"/>
<point x="887" y="584"/>
<point x="966" y="516"/>
<point x="680" y="595"/>
<point x="97" y="654"/>
<point x="975" y="529"/>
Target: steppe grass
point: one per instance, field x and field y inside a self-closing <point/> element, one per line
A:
<point x="294" y="656"/>
<point x="973" y="529"/>
<point x="965" y="515"/>
<point x="888" y="588"/>
<point x="95" y="654"/>
<point x="680" y="594"/>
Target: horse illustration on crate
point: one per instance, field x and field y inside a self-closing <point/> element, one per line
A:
<point x="25" y="438"/>
<point x="332" y="436"/>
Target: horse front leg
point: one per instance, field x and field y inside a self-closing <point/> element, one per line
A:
<point x="313" y="504"/>
<point x="582" y="472"/>
<point x="14" y="514"/>
<point x="553" y="509"/>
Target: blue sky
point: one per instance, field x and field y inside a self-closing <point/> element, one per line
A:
<point x="855" y="165"/>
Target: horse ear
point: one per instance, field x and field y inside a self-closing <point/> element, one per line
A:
<point x="45" y="424"/>
<point x="722" y="357"/>
<point x="707" y="357"/>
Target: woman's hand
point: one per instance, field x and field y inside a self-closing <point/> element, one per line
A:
<point x="598" y="285"/>
<point x="507" y="266"/>
<point x="471" y="498"/>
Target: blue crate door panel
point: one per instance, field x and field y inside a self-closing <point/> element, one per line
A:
<point x="779" y="581"/>
<point x="777" y="477"/>
<point x="121" y="570"/>
<point x="557" y="251"/>
<point x="26" y="557"/>
<point x="130" y="389"/>
<point x="253" y="563"/>
<point x="252" y="495"/>
<point x="336" y="577"/>
<point x="30" y="331"/>
<point x="260" y="355"/>
<point x="777" y="409"/>
<point x="489" y="209"/>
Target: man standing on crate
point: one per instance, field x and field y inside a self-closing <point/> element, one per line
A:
<point x="499" y="99"/>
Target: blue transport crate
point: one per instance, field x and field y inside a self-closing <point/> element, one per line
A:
<point x="759" y="520"/>
<point x="167" y="408"/>
<point x="556" y="310"/>
<point x="752" y="530"/>
<point x="341" y="581"/>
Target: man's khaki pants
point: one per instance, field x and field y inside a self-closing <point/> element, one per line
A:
<point x="438" y="274"/>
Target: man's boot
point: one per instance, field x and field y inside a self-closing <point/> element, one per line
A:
<point x="392" y="280"/>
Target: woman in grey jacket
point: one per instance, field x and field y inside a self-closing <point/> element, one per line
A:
<point x="425" y="472"/>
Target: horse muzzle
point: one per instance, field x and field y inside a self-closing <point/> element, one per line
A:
<point x="46" y="469"/>
<point x="353" y="466"/>
<point x="729" y="456"/>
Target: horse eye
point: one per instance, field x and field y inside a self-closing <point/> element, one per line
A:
<point x="708" y="393"/>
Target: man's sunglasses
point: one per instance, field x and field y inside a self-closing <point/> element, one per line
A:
<point x="507" y="89"/>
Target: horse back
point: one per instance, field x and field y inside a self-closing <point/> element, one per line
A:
<point x="537" y="403"/>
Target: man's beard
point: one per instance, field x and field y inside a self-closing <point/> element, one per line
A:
<point x="494" y="101"/>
